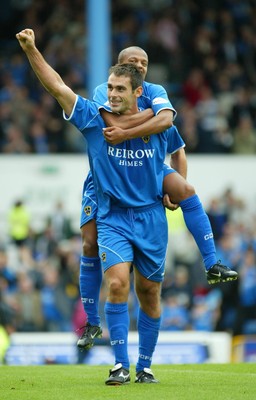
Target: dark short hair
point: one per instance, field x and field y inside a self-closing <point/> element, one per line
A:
<point x="129" y="70"/>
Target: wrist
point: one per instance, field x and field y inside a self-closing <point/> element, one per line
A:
<point x="31" y="50"/>
<point x="129" y="134"/>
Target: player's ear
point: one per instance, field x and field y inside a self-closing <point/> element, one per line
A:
<point x="139" y="91"/>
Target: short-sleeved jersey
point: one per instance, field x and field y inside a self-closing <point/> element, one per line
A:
<point x="89" y="207"/>
<point x="176" y="143"/>
<point x="153" y="96"/>
<point x="129" y="174"/>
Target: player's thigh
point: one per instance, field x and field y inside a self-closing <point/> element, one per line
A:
<point x="177" y="187"/>
<point x="146" y="287"/>
<point x="117" y="278"/>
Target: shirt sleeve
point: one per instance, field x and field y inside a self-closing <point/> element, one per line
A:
<point x="174" y="140"/>
<point x="155" y="97"/>
<point x="100" y="94"/>
<point x="84" y="114"/>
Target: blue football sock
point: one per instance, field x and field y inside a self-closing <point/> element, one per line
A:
<point x="148" y="329"/>
<point x="118" y="321"/>
<point x="90" y="283"/>
<point x="198" y="224"/>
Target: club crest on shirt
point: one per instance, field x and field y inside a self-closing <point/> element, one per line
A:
<point x="88" y="210"/>
<point x="146" y="139"/>
<point x="103" y="257"/>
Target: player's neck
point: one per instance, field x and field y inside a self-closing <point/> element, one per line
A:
<point x="133" y="110"/>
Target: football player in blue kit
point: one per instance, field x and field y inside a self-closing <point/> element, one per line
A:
<point x="131" y="221"/>
<point x="176" y="188"/>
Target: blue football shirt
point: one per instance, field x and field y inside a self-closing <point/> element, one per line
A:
<point x="129" y="174"/>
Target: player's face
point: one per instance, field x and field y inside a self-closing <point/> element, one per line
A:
<point x="139" y="58"/>
<point x="122" y="99"/>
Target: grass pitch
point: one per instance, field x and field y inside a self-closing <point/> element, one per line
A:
<point x="177" y="382"/>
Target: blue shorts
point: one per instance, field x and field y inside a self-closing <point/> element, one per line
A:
<point x="89" y="204"/>
<point x="137" y="235"/>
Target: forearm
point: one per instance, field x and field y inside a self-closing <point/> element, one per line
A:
<point x="140" y="124"/>
<point x="157" y="124"/>
<point x="51" y="81"/>
<point x="179" y="162"/>
<point x="48" y="77"/>
<point x="124" y="121"/>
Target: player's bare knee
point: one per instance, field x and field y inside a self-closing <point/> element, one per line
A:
<point x="151" y="306"/>
<point x="189" y="190"/>
<point x="148" y="295"/>
<point x="118" y="289"/>
<point x="186" y="192"/>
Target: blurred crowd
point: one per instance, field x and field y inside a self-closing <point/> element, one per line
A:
<point x="202" y="51"/>
<point x="39" y="274"/>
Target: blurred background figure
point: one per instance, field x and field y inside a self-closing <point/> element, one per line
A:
<point x="57" y="308"/>
<point x="7" y="326"/>
<point x="19" y="230"/>
<point x="205" y="312"/>
<point x="14" y="142"/>
<point x="60" y="223"/>
<point x="27" y="303"/>
<point x="175" y="314"/>
<point x="245" y="321"/>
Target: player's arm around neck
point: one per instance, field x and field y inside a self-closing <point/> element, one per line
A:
<point x="125" y="121"/>
<point x="157" y="124"/>
<point x="48" y="77"/>
<point x="154" y="125"/>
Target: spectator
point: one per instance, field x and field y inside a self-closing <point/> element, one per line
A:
<point x="56" y="307"/>
<point x="245" y="322"/>
<point x="218" y="217"/>
<point x="175" y="315"/>
<point x="206" y="311"/>
<point x="6" y="274"/>
<point x="19" y="230"/>
<point x="28" y="305"/>
<point x="38" y="138"/>
<point x="244" y="136"/>
<point x="60" y="223"/>
<point x="15" y="142"/>
<point x="7" y="327"/>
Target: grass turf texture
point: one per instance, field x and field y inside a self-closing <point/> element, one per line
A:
<point x="177" y="382"/>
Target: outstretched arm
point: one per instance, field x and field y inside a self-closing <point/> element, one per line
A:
<point x="122" y="130"/>
<point x="48" y="77"/>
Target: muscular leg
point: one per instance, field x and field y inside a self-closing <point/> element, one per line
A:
<point x="148" y="293"/>
<point x="116" y="310"/>
<point x="90" y="272"/>
<point x="196" y="219"/>
<point x="89" y="239"/>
